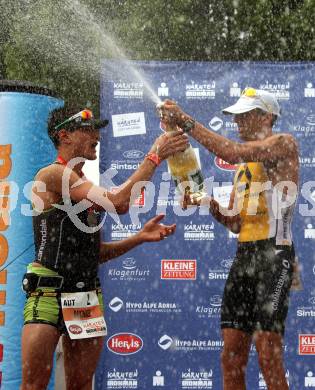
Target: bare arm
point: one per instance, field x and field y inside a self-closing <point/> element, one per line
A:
<point x="272" y="149"/>
<point x="61" y="180"/>
<point x="152" y="231"/>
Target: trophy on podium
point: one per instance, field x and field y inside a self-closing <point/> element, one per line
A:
<point x="184" y="167"/>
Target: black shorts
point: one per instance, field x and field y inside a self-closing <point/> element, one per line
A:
<point x="256" y="293"/>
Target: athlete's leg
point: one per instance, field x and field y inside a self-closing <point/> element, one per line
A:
<point x="234" y="358"/>
<point x="39" y="342"/>
<point x="269" y="348"/>
<point x="81" y="358"/>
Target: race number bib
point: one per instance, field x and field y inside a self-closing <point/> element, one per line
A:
<point x="82" y="315"/>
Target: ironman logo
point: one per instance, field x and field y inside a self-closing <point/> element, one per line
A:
<point x="124" y="343"/>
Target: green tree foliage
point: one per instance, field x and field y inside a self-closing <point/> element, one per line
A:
<point x="60" y="43"/>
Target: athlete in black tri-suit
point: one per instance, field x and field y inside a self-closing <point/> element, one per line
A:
<point x="69" y="249"/>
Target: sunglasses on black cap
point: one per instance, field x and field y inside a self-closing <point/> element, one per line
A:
<point x="82" y="119"/>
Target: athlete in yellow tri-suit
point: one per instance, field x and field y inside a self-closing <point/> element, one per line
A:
<point x="255" y="300"/>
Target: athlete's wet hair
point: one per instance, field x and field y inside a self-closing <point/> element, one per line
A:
<point x="56" y="117"/>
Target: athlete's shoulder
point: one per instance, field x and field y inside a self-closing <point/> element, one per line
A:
<point x="284" y="141"/>
<point x="50" y="172"/>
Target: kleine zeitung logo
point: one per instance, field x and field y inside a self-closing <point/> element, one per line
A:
<point x="124" y="343"/>
<point x="306" y="344"/>
<point x="179" y="269"/>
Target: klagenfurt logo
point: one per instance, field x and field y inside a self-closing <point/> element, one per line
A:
<point x="306" y="344"/>
<point x="124" y="343"/>
<point x="179" y="269"/>
<point x="225" y="166"/>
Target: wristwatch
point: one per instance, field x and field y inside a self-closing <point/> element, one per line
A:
<point x="188" y="125"/>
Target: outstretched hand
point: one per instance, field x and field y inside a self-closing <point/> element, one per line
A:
<point x="155" y="231"/>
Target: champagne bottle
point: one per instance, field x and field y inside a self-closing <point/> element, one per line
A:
<point x="184" y="168"/>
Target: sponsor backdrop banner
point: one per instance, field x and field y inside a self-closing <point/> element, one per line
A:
<point x="162" y="300"/>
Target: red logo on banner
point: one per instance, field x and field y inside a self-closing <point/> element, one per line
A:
<point x="139" y="201"/>
<point x="224" y="165"/>
<point x="178" y="269"/>
<point x="75" y="329"/>
<point x="124" y="343"/>
<point x="306" y="344"/>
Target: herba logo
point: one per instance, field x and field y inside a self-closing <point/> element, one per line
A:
<point x="75" y="329"/>
<point x="179" y="269"/>
<point x="116" y="304"/>
<point x="133" y="154"/>
<point x="306" y="344"/>
<point x="225" y="166"/>
<point x="124" y="343"/>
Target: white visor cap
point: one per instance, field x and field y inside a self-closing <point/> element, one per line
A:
<point x="252" y="98"/>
